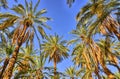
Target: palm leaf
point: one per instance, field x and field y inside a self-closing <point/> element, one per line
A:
<point x="35" y="8"/>
<point x="41" y="31"/>
<point x="9" y="22"/>
<point x="40" y="12"/>
<point x="19" y="9"/>
<point x="83" y="10"/>
<point x="4" y="3"/>
<point x="6" y="15"/>
<point x="31" y="7"/>
<point x="44" y="19"/>
<point x="26" y="3"/>
<point x="72" y="41"/>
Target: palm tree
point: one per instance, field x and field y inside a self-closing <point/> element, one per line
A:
<point x="26" y="20"/>
<point x="25" y="59"/>
<point x="98" y="13"/>
<point x="54" y="48"/>
<point x="90" y="54"/>
<point x="30" y="65"/>
<point x="71" y="72"/>
<point x="40" y="70"/>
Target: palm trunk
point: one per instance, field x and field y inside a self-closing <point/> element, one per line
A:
<point x="55" y="65"/>
<point x="4" y="66"/>
<point x="12" y="61"/>
<point x="8" y="72"/>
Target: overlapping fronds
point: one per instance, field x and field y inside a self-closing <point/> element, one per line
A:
<point x="98" y="15"/>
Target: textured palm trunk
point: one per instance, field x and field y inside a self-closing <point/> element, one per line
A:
<point x="4" y="66"/>
<point x="55" y="65"/>
<point x="12" y="61"/>
<point x="8" y="72"/>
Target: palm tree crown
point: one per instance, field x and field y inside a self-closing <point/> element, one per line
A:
<point x="55" y="48"/>
<point x="28" y="16"/>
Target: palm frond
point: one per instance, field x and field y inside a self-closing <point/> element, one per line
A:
<point x="41" y="31"/>
<point x="19" y="9"/>
<point x="9" y="22"/>
<point x="40" y="12"/>
<point x="35" y="8"/>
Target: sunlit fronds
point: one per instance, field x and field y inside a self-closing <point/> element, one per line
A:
<point x="9" y="22"/>
<point x="19" y="9"/>
<point x="40" y="12"/>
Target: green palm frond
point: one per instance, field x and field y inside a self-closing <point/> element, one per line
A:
<point x="26" y="4"/>
<point x="40" y="12"/>
<point x="9" y="22"/>
<point x="31" y="7"/>
<point x="3" y="3"/>
<point x="19" y="9"/>
<point x="83" y="10"/>
<point x="35" y="8"/>
<point x="87" y="74"/>
<point x="44" y="19"/>
<point x="41" y="31"/>
<point x="6" y="15"/>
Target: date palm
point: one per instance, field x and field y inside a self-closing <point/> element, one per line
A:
<point x="54" y="48"/>
<point x="30" y="65"/>
<point x="71" y="72"/>
<point x="26" y="59"/>
<point x="98" y="13"/>
<point x="28" y="20"/>
<point x="90" y="54"/>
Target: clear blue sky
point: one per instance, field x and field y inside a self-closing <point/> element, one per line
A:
<point x="63" y="20"/>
